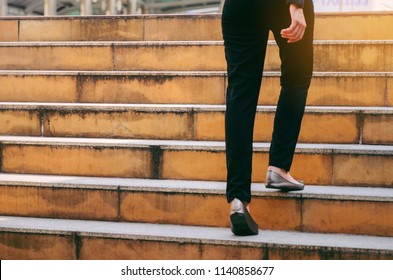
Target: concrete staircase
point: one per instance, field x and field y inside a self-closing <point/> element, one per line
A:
<point x="111" y="142"/>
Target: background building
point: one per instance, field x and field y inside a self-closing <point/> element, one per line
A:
<point x="352" y="5"/>
<point x="118" y="7"/>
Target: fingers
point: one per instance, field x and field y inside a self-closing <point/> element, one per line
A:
<point x="294" y="36"/>
<point x="294" y="33"/>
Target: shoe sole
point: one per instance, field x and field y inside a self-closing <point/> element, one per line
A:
<point x="284" y="187"/>
<point x="242" y="226"/>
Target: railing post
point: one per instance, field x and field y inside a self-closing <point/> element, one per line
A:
<point x="111" y="7"/>
<point x="3" y="7"/>
<point x="86" y="8"/>
<point x="133" y="6"/>
<point x="50" y="7"/>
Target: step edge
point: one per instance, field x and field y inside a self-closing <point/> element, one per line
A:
<point x="371" y="194"/>
<point x="213" y="146"/>
<point x="181" y="74"/>
<point x="194" y="234"/>
<point x="181" y="16"/>
<point x="219" y="43"/>
<point x="118" y="107"/>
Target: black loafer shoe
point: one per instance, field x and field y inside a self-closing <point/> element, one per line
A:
<point x="241" y="221"/>
<point x="276" y="181"/>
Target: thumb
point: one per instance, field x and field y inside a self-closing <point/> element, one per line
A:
<point x="290" y="28"/>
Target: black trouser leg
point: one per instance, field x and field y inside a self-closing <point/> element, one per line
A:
<point x="296" y="73"/>
<point x="245" y="46"/>
<point x="245" y="25"/>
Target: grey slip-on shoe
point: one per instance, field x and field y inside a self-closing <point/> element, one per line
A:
<point x="276" y="181"/>
<point x="241" y="221"/>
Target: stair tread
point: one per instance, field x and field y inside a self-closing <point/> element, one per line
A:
<point x="173" y="43"/>
<point x="180" y="73"/>
<point x="192" y="186"/>
<point x="179" y="107"/>
<point x="193" y="55"/>
<point x="192" y="234"/>
<point x="199" y="145"/>
<point x="179" y="16"/>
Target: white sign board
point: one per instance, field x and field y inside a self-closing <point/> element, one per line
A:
<point x="343" y="5"/>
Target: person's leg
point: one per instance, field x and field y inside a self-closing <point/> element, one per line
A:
<point x="296" y="73"/>
<point x="245" y="41"/>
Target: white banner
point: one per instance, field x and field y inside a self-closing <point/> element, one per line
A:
<point x="196" y="270"/>
<point x="343" y="5"/>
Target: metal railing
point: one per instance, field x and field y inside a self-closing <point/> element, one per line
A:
<point x="157" y="6"/>
<point x="108" y="7"/>
<point x="116" y="7"/>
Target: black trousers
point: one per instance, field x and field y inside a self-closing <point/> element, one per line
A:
<point x="245" y="28"/>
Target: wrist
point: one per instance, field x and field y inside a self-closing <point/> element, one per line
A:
<point x="293" y="8"/>
<point x="296" y="3"/>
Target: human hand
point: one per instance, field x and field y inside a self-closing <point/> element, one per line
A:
<point x="295" y="32"/>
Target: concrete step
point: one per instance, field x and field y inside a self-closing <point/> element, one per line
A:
<point x="324" y="209"/>
<point x="33" y="238"/>
<point x="337" y="125"/>
<point x="316" y="164"/>
<point x="328" y="26"/>
<point x="147" y="87"/>
<point x="190" y="56"/>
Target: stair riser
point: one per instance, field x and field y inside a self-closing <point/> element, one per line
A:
<point x="151" y="125"/>
<point x="60" y="246"/>
<point x="197" y="209"/>
<point x="313" y="167"/>
<point x="195" y="28"/>
<point x="281" y="253"/>
<point x="27" y="246"/>
<point x="350" y="216"/>
<point x="377" y="129"/>
<point x="20" y="123"/>
<point x="82" y="29"/>
<point x="203" y="57"/>
<point x="103" y="161"/>
<point x="56" y="203"/>
<point x="161" y="250"/>
<point x="190" y="125"/>
<point x="56" y="58"/>
<point x="34" y="88"/>
<point x="158" y="88"/>
<point x="333" y="90"/>
<point x="9" y="30"/>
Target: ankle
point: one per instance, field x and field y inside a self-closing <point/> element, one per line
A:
<point x="278" y="170"/>
<point x="246" y="204"/>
